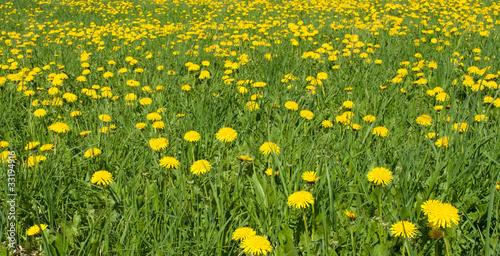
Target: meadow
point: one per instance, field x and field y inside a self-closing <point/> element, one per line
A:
<point x="234" y="127"/>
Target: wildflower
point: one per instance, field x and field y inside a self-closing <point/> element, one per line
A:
<point x="154" y="116"/>
<point x="380" y="176"/>
<point x="245" y="158"/>
<point x="145" y="101"/>
<point x="4" y="144"/>
<point x="442" y="96"/>
<point x="75" y="113"/>
<point x="101" y="178"/>
<point x="32" y="160"/>
<point x="204" y="74"/>
<point x="292" y="105"/>
<point x="350" y="214"/>
<point x="200" y="167"/>
<point x="300" y="199"/>
<point x="440" y="214"/>
<point x="404" y="229"/>
<point x="186" y="87"/>
<point x="226" y="134"/>
<point x="269" y="147"/>
<point x="251" y="105"/>
<point x="480" y="118"/>
<point x="140" y="126"/>
<point x="348" y="104"/>
<point x="310" y="176"/>
<point x="424" y="120"/>
<point x="92" y="152"/>
<point x="105" y="118"/>
<point x="269" y="172"/>
<point x="327" y="123"/>
<point x="380" y="131"/>
<point x="243" y="233"/>
<point x="307" y="114"/>
<point x="169" y="162"/>
<point x="35" y="230"/>
<point x="192" y="136"/>
<point x="40" y="112"/>
<point x="46" y="147"/>
<point x="59" y="127"/>
<point x="442" y="142"/>
<point x="256" y="245"/>
<point x="258" y="84"/>
<point x="158" y="125"/>
<point x="460" y="127"/>
<point x="369" y="118"/>
<point x="158" y="143"/>
<point x="431" y="135"/>
<point x="31" y="145"/>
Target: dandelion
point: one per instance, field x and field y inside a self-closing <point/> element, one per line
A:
<point x="350" y="214"/>
<point x="369" y="118"/>
<point x="105" y="118"/>
<point x="245" y="158"/>
<point x="380" y="131"/>
<point x="251" y="105"/>
<point x="307" y="114"/>
<point x="46" y="147"/>
<point x="75" y="113"/>
<point x="200" y="167"/>
<point x="226" y="134"/>
<point x="291" y="105"/>
<point x="380" y="176"/>
<point x="443" y="215"/>
<point x="310" y="176"/>
<point x="158" y="125"/>
<point x="300" y="199"/>
<point x="140" y="126"/>
<point x="327" y="124"/>
<point x="269" y="172"/>
<point x="33" y="160"/>
<point x="243" y="233"/>
<point x="348" y="104"/>
<point x="92" y="152"/>
<point x="424" y="120"/>
<point x="442" y="142"/>
<point x="256" y="245"/>
<point x="169" y="162"/>
<point x="4" y="144"/>
<point x="460" y="127"/>
<point x="40" y="112"/>
<point x="192" y="136"/>
<point x="442" y="96"/>
<point x="31" y="145"/>
<point x="35" y="230"/>
<point x="158" y="143"/>
<point x="269" y="147"/>
<point x="101" y="178"/>
<point x="404" y="229"/>
<point x="59" y="127"/>
<point x="154" y="116"/>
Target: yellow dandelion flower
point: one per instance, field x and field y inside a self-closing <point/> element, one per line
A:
<point x="105" y="118"/>
<point x="158" y="143"/>
<point x="350" y="214"/>
<point x="380" y="176"/>
<point x="380" y="131"/>
<point x="101" y="178"/>
<point x="424" y="120"/>
<point x="300" y="199"/>
<point x="192" y="136"/>
<point x="31" y="145"/>
<point x="140" y="126"/>
<point x="245" y="158"/>
<point x="269" y="147"/>
<point x="200" y="167"/>
<point x="291" y="105"/>
<point x="404" y="229"/>
<point x="243" y="233"/>
<point x="442" y="142"/>
<point x="169" y="162"/>
<point x="226" y="134"/>
<point x="40" y="112"/>
<point x="307" y="114"/>
<point x="35" y="230"/>
<point x="59" y="127"/>
<point x="327" y="124"/>
<point x="256" y="245"/>
<point x="92" y="152"/>
<point x="46" y="147"/>
<point x="369" y="118"/>
<point x="310" y="176"/>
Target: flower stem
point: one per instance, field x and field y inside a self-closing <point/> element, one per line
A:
<point x="446" y="243"/>
<point x="307" y="233"/>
